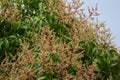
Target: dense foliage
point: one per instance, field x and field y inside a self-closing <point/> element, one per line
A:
<point x="54" y="40"/>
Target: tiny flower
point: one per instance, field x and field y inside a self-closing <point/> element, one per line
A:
<point x="14" y="4"/>
<point x="22" y="6"/>
<point x="33" y="12"/>
<point x="25" y="11"/>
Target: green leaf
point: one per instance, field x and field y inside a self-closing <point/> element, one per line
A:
<point x="55" y="57"/>
<point x="1" y="43"/>
<point x="6" y="43"/>
<point x="25" y="27"/>
<point x="41" y="78"/>
<point x="113" y="64"/>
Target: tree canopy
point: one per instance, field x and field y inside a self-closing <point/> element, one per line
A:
<point x="55" y="40"/>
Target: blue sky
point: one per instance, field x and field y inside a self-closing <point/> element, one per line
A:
<point x="110" y="13"/>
